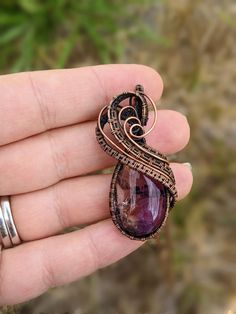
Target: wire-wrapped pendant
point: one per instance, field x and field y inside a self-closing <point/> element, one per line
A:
<point x="143" y="186"/>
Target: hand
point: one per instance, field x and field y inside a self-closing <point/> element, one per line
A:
<point x="47" y="148"/>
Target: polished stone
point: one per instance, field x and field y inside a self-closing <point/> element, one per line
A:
<point x="141" y="204"/>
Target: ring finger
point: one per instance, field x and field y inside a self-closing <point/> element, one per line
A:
<point x="77" y="201"/>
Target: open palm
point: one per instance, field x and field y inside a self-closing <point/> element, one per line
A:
<point x="47" y="149"/>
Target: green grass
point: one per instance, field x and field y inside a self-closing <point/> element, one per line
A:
<point x="54" y="34"/>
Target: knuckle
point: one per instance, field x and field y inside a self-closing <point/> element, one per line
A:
<point x="95" y="256"/>
<point x="60" y="211"/>
<point x="100" y="83"/>
<point x="49" y="279"/>
<point x="59" y="156"/>
<point x="40" y="101"/>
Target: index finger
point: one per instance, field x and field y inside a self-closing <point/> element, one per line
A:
<point x="33" y="102"/>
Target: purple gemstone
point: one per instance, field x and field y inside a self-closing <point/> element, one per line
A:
<point x="141" y="204"/>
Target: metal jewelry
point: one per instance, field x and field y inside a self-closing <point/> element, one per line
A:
<point x="142" y="188"/>
<point x="8" y="232"/>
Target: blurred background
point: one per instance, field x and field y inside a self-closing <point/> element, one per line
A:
<point x="191" y="268"/>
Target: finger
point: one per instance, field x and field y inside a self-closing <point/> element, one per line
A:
<point x="59" y="260"/>
<point x="43" y="160"/>
<point x="37" y="101"/>
<point x="73" y="202"/>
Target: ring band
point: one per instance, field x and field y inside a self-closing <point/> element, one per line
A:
<point x="5" y="238"/>
<point x="9" y="225"/>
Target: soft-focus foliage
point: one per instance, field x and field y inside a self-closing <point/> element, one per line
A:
<point x="47" y="34"/>
<point x="191" y="268"/>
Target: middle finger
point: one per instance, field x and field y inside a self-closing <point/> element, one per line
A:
<point x="43" y="160"/>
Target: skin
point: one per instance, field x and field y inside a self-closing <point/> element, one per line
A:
<point x="47" y="149"/>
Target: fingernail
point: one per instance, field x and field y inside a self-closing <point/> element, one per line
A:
<point x="187" y="164"/>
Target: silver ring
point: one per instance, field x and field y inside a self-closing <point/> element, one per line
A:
<point x="4" y="234"/>
<point x="9" y="221"/>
